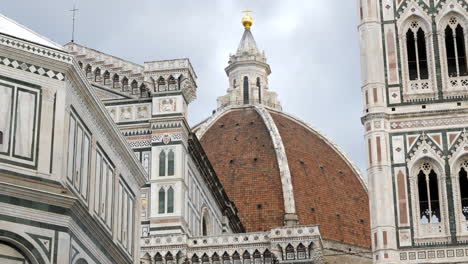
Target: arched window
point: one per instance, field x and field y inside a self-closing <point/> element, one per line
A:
<point x="204" y="226"/>
<point x="259" y="90"/>
<point x="416" y="51"/>
<point x="80" y="64"/>
<point x="215" y="259"/>
<point x="257" y="257"/>
<point x="115" y="81"/>
<point x="463" y="183"/>
<point x="267" y="257"/>
<point x="1" y="137"/>
<point x="195" y="259"/>
<point x="172" y="83"/>
<point x="226" y="258"/>
<point x="125" y="84"/>
<point x="144" y="92"/>
<point x="290" y="252"/>
<point x="97" y="74"/>
<point x="169" y="258"/>
<point x="234" y="83"/>
<point x="170" y="200"/>
<point x="455" y="49"/>
<point x="236" y="258"/>
<point x="205" y="259"/>
<point x="162" y="163"/>
<point x="301" y="251"/>
<point x="246" y="90"/>
<point x="162" y="201"/>
<point x="158" y="259"/>
<point x="428" y="188"/>
<point x="170" y="163"/>
<point x="161" y="84"/>
<point x="134" y="87"/>
<point x="88" y="70"/>
<point x="246" y="257"/>
<point x="106" y="77"/>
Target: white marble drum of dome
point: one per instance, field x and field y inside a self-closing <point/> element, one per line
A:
<point x="248" y="74"/>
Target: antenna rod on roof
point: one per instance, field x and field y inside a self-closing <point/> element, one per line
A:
<point x="73" y="21"/>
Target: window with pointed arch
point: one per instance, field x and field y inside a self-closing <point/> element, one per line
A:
<point x="301" y="252"/>
<point x="215" y="258"/>
<point x="455" y="51"/>
<point x="205" y="259"/>
<point x="290" y="254"/>
<point x="463" y="187"/>
<point x="97" y="74"/>
<point x="246" y="257"/>
<point x="169" y="258"/>
<point x="162" y="201"/>
<point x="195" y="259"/>
<point x="236" y="258"/>
<point x="257" y="257"/>
<point x="416" y="52"/>
<point x="428" y="194"/>
<point x="158" y="259"/>
<point x="166" y="200"/>
<point x="268" y="257"/>
<point x="166" y="161"/>
<point x="226" y="258"/>
<point x="116" y="81"/>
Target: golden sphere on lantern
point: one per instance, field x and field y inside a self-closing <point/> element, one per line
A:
<point x="247" y="20"/>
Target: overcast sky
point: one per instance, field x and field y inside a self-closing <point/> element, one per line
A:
<point x="311" y="46"/>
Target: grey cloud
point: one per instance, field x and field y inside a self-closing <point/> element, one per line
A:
<point x="312" y="47"/>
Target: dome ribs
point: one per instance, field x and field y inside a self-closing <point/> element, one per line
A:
<point x="248" y="182"/>
<point x="324" y="181"/>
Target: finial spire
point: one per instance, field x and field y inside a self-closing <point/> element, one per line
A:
<point x="247" y="20"/>
<point x="73" y="21"/>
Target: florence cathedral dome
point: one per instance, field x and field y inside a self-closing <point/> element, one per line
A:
<point x="277" y="169"/>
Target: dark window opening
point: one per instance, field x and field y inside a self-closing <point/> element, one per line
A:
<point x="450" y="52"/>
<point x="246" y="90"/>
<point x="422" y="55"/>
<point x="460" y="39"/>
<point x="463" y="181"/>
<point x="162" y="201"/>
<point x="170" y="165"/>
<point x="411" y="53"/>
<point x="428" y="197"/>
<point x="162" y="163"/>
<point x="1" y="137"/>
<point x="204" y="227"/>
<point x="170" y="200"/>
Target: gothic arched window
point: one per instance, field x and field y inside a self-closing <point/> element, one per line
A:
<point x="246" y="90"/>
<point x="97" y="74"/>
<point x="88" y="70"/>
<point x="226" y="258"/>
<point x="290" y="252"/>
<point x="106" y="77"/>
<point x="463" y="183"/>
<point x="267" y="257"/>
<point x="134" y="87"/>
<point x="162" y="201"/>
<point x="169" y="258"/>
<point x="416" y="52"/>
<point x="455" y="49"/>
<point x="115" y="80"/>
<point x="158" y="259"/>
<point x="170" y="163"/>
<point x="236" y="258"/>
<point x="215" y="259"/>
<point x="205" y="259"/>
<point x="428" y="188"/>
<point x="257" y="257"/>
<point x="246" y="257"/>
<point x="301" y="251"/>
<point x="125" y="84"/>
<point x="162" y="163"/>
<point x="170" y="200"/>
<point x="161" y="84"/>
<point x="195" y="259"/>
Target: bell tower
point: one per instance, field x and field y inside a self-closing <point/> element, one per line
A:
<point x="248" y="72"/>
